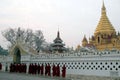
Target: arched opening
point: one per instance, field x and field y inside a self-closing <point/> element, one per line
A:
<point x="98" y="39"/>
<point x="17" y="56"/>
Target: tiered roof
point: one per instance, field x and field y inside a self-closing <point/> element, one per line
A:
<point x="104" y="25"/>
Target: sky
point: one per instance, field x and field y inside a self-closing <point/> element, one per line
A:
<point x="73" y="18"/>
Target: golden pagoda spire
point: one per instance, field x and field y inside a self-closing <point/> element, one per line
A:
<point x="103" y="8"/>
<point x="104" y="26"/>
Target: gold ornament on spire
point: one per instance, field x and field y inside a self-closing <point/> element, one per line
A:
<point x="104" y="25"/>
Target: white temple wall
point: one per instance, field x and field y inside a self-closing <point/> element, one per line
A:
<point x="98" y="65"/>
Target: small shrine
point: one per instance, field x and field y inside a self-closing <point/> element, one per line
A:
<point x="58" y="45"/>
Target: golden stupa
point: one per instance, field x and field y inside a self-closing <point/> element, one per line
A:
<point x="105" y="36"/>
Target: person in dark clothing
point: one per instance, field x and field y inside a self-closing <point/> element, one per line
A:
<point x="63" y="71"/>
<point x="42" y="69"/>
<point x="49" y="70"/>
<point x="38" y="69"/>
<point x="58" y="71"/>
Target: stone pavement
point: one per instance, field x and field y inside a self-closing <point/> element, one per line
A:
<point x="91" y="77"/>
<point x="20" y="76"/>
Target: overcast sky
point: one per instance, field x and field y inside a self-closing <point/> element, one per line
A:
<point x="74" y="18"/>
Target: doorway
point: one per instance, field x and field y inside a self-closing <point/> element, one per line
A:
<point x="17" y="56"/>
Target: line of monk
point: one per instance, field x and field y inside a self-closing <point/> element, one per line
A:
<point x="35" y="69"/>
<point x="0" y="66"/>
<point x="46" y="70"/>
<point x="56" y="70"/>
<point x="42" y="69"/>
<point x="21" y="68"/>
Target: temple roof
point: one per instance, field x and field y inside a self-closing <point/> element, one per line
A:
<point x="58" y="45"/>
<point x="84" y="39"/>
<point x="104" y="25"/>
<point x="58" y="39"/>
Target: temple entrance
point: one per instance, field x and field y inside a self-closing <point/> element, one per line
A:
<point x="17" y="56"/>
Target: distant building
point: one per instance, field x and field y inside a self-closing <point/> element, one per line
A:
<point x="105" y="36"/>
<point x="58" y="45"/>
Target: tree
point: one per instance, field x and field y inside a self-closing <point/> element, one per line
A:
<point x="38" y="40"/>
<point x="34" y="40"/>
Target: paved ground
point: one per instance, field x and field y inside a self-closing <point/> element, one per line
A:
<point x="18" y="76"/>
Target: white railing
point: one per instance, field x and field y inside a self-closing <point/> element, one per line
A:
<point x="77" y="55"/>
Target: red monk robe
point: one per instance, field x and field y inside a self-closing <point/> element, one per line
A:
<point x="58" y="71"/>
<point x="42" y="69"/>
<point x="63" y="71"/>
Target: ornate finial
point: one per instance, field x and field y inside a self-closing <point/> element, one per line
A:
<point x="103" y="8"/>
<point x="19" y="32"/>
<point x="58" y="34"/>
<point x="84" y="39"/>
